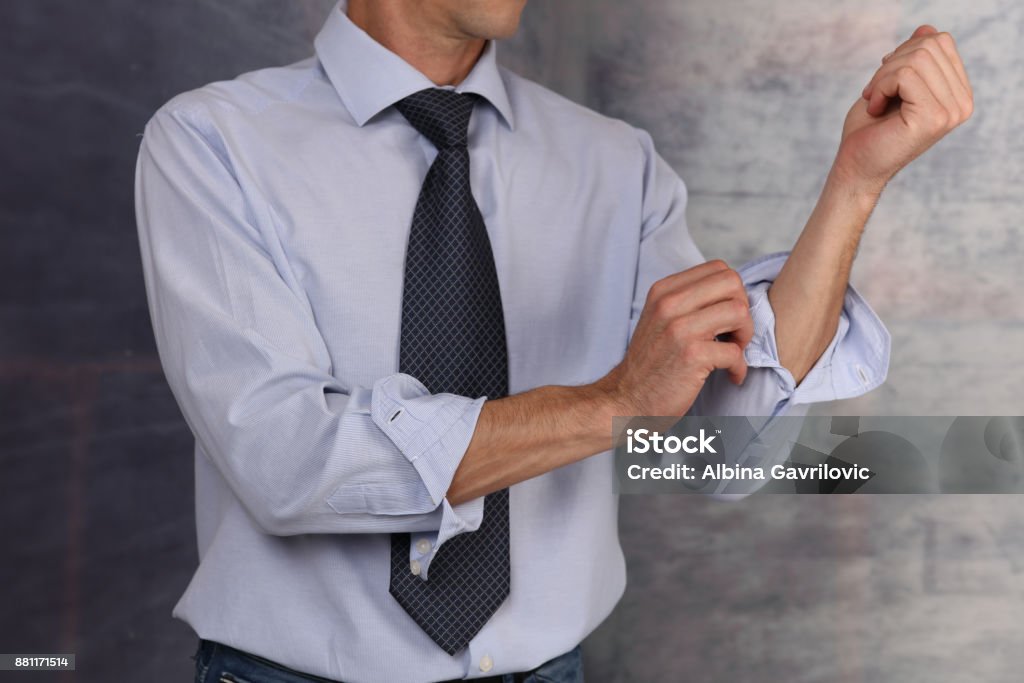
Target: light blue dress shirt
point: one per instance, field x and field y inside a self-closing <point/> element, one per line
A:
<point x="273" y="214"/>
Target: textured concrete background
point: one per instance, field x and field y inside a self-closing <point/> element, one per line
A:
<point x="746" y="100"/>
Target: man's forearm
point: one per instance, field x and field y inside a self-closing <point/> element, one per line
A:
<point x="919" y="94"/>
<point x="807" y="296"/>
<point x="671" y="354"/>
<point x="528" y="434"/>
<point x="525" y="435"/>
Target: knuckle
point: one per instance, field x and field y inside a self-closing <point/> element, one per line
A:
<point x="737" y="353"/>
<point x="905" y="72"/>
<point x="931" y="123"/>
<point x="734" y="278"/>
<point x="968" y="108"/>
<point x="937" y="124"/>
<point x="729" y="279"/>
<point x="663" y="307"/>
<point x="679" y="330"/>
<point x="658" y="290"/>
<point x="740" y="309"/>
<point x="955" y="114"/>
<point x="718" y="264"/>
<point x="946" y="39"/>
<point x="692" y="355"/>
<point x="921" y="56"/>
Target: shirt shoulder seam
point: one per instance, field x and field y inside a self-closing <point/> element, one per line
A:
<point x="197" y="102"/>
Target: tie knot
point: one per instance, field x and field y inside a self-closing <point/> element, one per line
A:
<point x="442" y="116"/>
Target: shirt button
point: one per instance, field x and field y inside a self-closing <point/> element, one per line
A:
<point x="486" y="663"/>
<point x="423" y="546"/>
<point x="414" y="567"/>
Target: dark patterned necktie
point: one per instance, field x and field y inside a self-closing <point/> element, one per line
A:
<point x="453" y="340"/>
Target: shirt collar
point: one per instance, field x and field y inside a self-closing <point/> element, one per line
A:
<point x="369" y="78"/>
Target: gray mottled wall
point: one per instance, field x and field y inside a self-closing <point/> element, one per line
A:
<point x="745" y="98"/>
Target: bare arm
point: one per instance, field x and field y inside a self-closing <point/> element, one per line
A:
<point x="918" y="95"/>
<point x="528" y="434"/>
<point x="672" y="352"/>
<point x="674" y="347"/>
<point x="807" y="296"/>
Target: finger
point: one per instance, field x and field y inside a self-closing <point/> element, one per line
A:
<point x="948" y="45"/>
<point x="948" y="63"/>
<point x="676" y="281"/>
<point x="923" y="30"/>
<point x="920" y="108"/>
<point x="934" y="44"/>
<point x="720" y="286"/>
<point x="725" y="317"/>
<point x="725" y="356"/>
<point x="924" y="63"/>
<point x="899" y="68"/>
<point x="919" y="32"/>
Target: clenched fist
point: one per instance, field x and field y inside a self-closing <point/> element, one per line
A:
<point x="919" y="94"/>
<point x="693" y="322"/>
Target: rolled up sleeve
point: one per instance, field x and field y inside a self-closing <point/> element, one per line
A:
<point x="302" y="450"/>
<point x="855" y="361"/>
<point x="433" y="432"/>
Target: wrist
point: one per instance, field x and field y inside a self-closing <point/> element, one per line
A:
<point x="849" y="186"/>
<point x="600" y="403"/>
<point x="851" y="194"/>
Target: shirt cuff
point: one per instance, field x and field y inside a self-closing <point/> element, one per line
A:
<point x="855" y="361"/>
<point x="454" y="520"/>
<point x="433" y="432"/>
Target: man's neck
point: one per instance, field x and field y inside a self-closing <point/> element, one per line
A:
<point x="424" y="39"/>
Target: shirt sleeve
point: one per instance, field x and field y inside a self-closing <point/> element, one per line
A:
<point x="303" y="451"/>
<point x="855" y="361"/>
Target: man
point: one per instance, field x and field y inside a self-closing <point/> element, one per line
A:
<point x="399" y="294"/>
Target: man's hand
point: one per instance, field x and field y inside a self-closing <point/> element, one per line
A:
<point x="674" y="347"/>
<point x="919" y="94"/>
<point x="671" y="354"/>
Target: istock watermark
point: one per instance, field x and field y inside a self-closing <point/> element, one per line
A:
<point x="646" y="440"/>
<point x="819" y="454"/>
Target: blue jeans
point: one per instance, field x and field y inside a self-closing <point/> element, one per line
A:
<point x="217" y="663"/>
